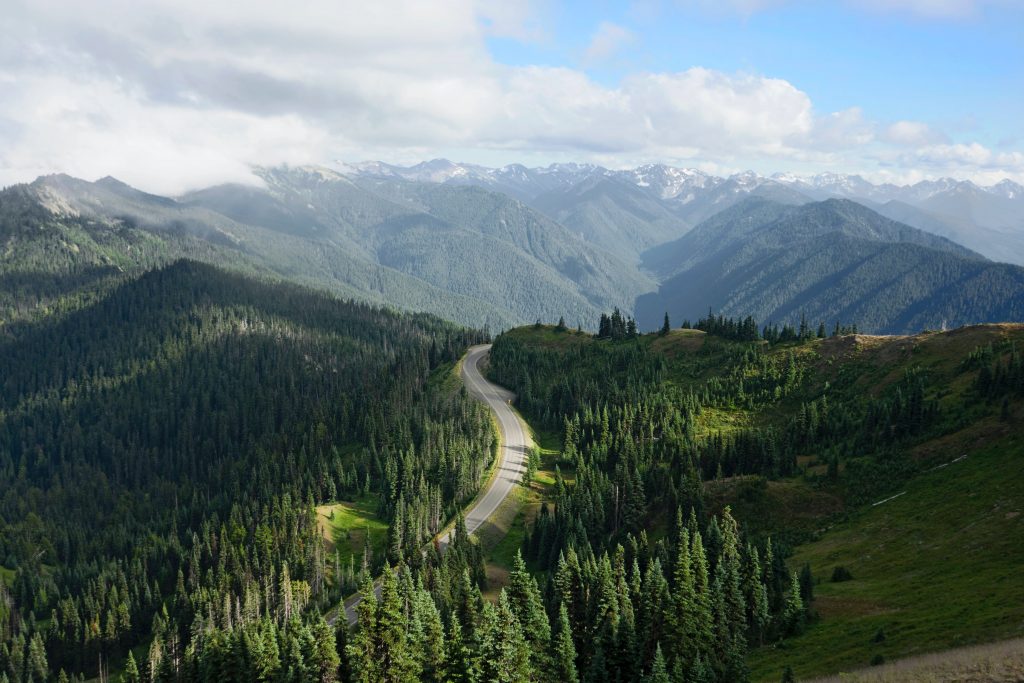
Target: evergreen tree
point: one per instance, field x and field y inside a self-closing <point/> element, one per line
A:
<point x="362" y="651"/>
<point x="325" y="660"/>
<point x="131" y="670"/>
<point x="681" y="612"/>
<point x="793" y="616"/>
<point x="525" y="601"/>
<point x="659" y="669"/>
<point x="504" y="653"/>
<point x="460" y="664"/>
<point x="396" y="662"/>
<point x="666" y="326"/>
<point x="564" y="655"/>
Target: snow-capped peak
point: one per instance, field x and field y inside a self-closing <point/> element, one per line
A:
<point x="1007" y="188"/>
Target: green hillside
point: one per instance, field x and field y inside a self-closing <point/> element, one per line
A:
<point x="163" y="450"/>
<point x="800" y="440"/>
<point x="462" y="253"/>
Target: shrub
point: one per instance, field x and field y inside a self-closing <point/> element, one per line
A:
<point x="840" y="574"/>
<point x="878" y="660"/>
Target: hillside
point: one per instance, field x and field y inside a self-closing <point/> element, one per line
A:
<point x="388" y="242"/>
<point x="803" y="440"/>
<point x="163" y="447"/>
<point x="614" y="214"/>
<point x="832" y="260"/>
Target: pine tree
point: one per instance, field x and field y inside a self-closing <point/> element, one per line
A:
<point x="525" y="602"/>
<point x="564" y="655"/>
<point x="460" y="665"/>
<point x="504" y="653"/>
<point x="702" y="590"/>
<point x="131" y="670"/>
<point x="325" y="654"/>
<point x="681" y="612"/>
<point x="659" y="669"/>
<point x="36" y="667"/>
<point x="362" y="651"/>
<point x="431" y="633"/>
<point x="284" y="604"/>
<point x="756" y="595"/>
<point x="396" y="662"/>
<point x="666" y="326"/>
<point x="793" y="616"/>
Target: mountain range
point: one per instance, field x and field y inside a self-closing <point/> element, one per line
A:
<point x="500" y="247"/>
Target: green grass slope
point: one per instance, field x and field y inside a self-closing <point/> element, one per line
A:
<point x="938" y="564"/>
<point x="936" y="568"/>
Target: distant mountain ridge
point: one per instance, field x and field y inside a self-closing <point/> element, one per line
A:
<point x="834" y="260"/>
<point x="989" y="220"/>
<point x="670" y="182"/>
<point x="454" y="241"/>
<point x="467" y="254"/>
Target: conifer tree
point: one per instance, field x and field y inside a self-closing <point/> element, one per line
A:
<point x="131" y="670"/>
<point x="793" y="616"/>
<point x="525" y="601"/>
<point x="504" y="653"/>
<point x="396" y="662"/>
<point x="460" y="664"/>
<point x="362" y="651"/>
<point x="659" y="669"/>
<point x="564" y="655"/>
<point x="325" y="660"/>
<point x="681" y="612"/>
<point x="758" y="615"/>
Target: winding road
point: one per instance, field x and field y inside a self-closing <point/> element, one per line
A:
<point x="512" y="455"/>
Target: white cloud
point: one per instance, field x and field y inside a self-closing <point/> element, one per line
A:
<point x="743" y="8"/>
<point x="606" y="41"/>
<point x="170" y="95"/>
<point x="913" y="133"/>
<point x="930" y="9"/>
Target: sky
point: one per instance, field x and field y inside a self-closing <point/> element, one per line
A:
<point x="172" y="95"/>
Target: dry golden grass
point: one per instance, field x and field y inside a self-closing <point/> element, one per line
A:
<point x="993" y="663"/>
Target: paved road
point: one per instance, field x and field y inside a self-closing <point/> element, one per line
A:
<point x="512" y="457"/>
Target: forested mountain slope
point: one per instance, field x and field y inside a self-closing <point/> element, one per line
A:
<point x="614" y="214"/>
<point x="463" y="253"/>
<point x="832" y="260"/>
<point x="804" y="439"/>
<point x="66" y="240"/>
<point x="162" y="448"/>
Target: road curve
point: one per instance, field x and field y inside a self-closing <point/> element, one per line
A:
<point x="512" y="455"/>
